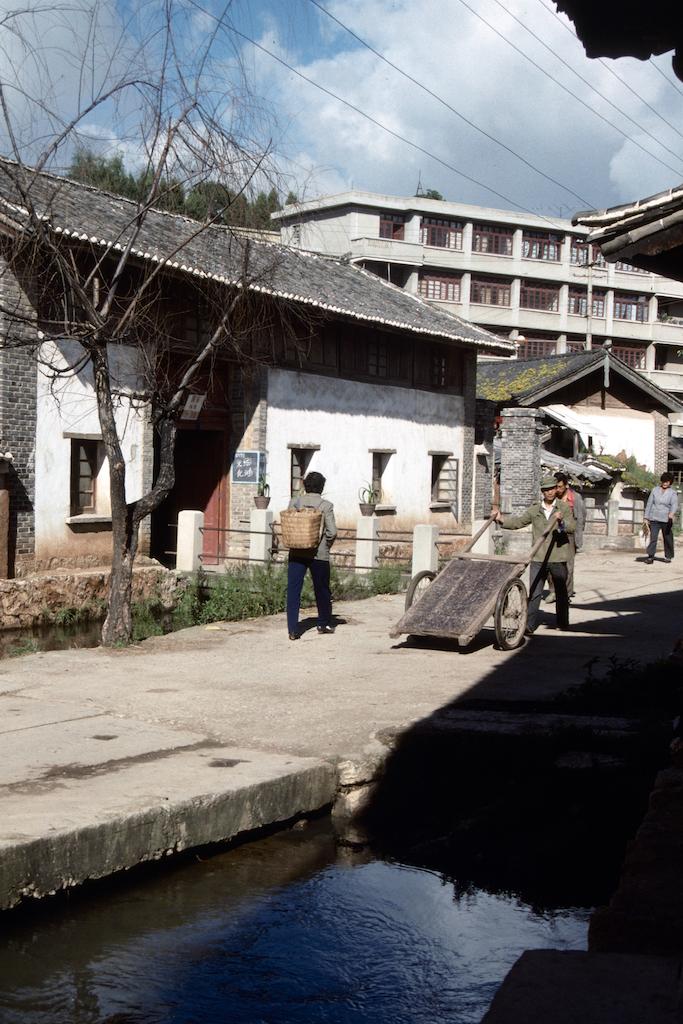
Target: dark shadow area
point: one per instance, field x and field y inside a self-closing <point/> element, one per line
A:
<point x="538" y="797"/>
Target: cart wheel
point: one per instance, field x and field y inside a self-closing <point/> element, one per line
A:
<point x="510" y="616"/>
<point x="418" y="585"/>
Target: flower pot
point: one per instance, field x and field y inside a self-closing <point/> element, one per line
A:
<point x="366" y="508"/>
<point x="261" y="501"/>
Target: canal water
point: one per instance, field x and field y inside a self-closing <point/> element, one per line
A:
<point x="287" y="930"/>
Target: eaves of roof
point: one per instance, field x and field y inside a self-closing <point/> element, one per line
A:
<point x="90" y="216"/>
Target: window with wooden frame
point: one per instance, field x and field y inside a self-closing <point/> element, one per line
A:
<point x="581" y="254"/>
<point x="576" y="346"/>
<point x="578" y="303"/>
<point x="491" y="238"/>
<point x="444" y="479"/>
<point x="628" y="268"/>
<point x="392" y="225"/>
<point x="490" y="292"/>
<point x="533" y="295"/>
<point x="437" y="231"/>
<point x="300" y="461"/>
<point x="531" y="348"/>
<point x="442" y="286"/>
<point x="630" y="355"/>
<point x="631" y="307"/>
<point x="380" y="461"/>
<point x="541" y="245"/>
<point x="84" y="468"/>
<point x="378" y="359"/>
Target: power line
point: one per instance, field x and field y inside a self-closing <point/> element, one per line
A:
<point x="414" y="145"/>
<point x="568" y="90"/>
<point x="449" y="106"/>
<point x="666" y="77"/>
<point x="614" y="74"/>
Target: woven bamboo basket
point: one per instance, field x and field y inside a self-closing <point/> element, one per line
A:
<point x="301" y="527"/>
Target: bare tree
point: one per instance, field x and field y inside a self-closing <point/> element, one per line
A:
<point x="158" y="83"/>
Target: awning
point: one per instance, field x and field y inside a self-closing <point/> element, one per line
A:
<point x="568" y="418"/>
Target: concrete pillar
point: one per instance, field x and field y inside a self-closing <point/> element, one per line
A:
<point x="260" y="534"/>
<point x="190" y="541"/>
<point x="367" y="543"/>
<point x="612" y="518"/>
<point x="590" y="514"/>
<point x="425" y="551"/>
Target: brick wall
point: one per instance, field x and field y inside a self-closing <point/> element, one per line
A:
<point x="18" y="402"/>
<point x="661" y="442"/>
<point x="520" y="466"/>
<point x="484" y="428"/>
<point x="249" y="413"/>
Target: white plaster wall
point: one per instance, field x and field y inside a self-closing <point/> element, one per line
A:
<point x="67" y="404"/>
<point x="325" y="233"/>
<point x="347" y="418"/>
<point x="621" y="430"/>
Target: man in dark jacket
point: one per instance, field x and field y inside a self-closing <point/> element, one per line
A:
<point x="551" y="558"/>
<point x="316" y="560"/>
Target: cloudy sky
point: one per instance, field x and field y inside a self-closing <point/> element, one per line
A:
<point x="480" y="58"/>
<point x="549" y="131"/>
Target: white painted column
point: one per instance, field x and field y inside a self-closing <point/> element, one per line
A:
<point x="612" y="518"/>
<point x="260" y="534"/>
<point x="190" y="541"/>
<point x="367" y="543"/>
<point x="425" y="551"/>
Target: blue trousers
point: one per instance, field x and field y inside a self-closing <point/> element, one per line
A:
<point x="667" y="536"/>
<point x="320" y="573"/>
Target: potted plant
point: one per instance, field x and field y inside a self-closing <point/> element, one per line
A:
<point x="368" y="496"/>
<point x="262" y="496"/>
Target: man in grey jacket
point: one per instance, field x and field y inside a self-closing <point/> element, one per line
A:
<point x="660" y="511"/>
<point x="316" y="560"/>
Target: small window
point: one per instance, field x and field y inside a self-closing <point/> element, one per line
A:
<point x="532" y="348"/>
<point x="493" y="292"/>
<point x="581" y="254"/>
<point x="631" y="307"/>
<point x="378" y="359"/>
<point x="301" y="458"/>
<point x="380" y="461"/>
<point x="442" y="233"/>
<point x="444" y="479"/>
<point x="539" y="245"/>
<point x="492" y="238"/>
<point x="84" y="466"/>
<point x="391" y="225"/>
<point x="443" y="286"/>
<point x="534" y="295"/>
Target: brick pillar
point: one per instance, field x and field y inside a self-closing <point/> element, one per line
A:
<point x="469" y="392"/>
<point x="520" y="462"/>
<point x="661" y="443"/>
<point x="483" y="466"/>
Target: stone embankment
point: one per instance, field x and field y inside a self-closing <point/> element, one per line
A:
<point x="39" y="598"/>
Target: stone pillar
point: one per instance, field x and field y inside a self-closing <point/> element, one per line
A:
<point x="260" y="535"/>
<point x="661" y="442"/>
<point x="612" y="518"/>
<point x="469" y="395"/>
<point x="367" y="543"/>
<point x="520" y="459"/>
<point x="425" y="551"/>
<point x="190" y="541"/>
<point x="4" y="527"/>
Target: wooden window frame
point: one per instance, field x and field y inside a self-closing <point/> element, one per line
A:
<point x="535" y="348"/>
<point x="497" y="287"/>
<point x="542" y="245"/>
<point x="492" y="240"/>
<point x="581" y="254"/>
<point x="440" y="287"/>
<point x="84" y="450"/>
<point x="432" y="229"/>
<point x="392" y="226"/>
<point x="378" y="359"/>
<point x="640" y="304"/>
<point x="445" y="479"/>
<point x="535" y="295"/>
<point x="628" y="268"/>
<point x="578" y="297"/>
<point x="631" y="355"/>
<point x="299" y="461"/>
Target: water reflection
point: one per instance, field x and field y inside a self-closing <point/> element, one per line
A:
<point x="280" y="931"/>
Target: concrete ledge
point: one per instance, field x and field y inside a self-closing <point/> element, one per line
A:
<point x="574" y="987"/>
<point x="106" y="822"/>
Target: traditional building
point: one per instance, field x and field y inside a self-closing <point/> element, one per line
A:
<point x="337" y="371"/>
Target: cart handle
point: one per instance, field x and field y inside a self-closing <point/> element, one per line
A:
<point x="480" y="532"/>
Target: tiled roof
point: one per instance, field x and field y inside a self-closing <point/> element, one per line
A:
<point x="522" y="381"/>
<point x="327" y="283"/>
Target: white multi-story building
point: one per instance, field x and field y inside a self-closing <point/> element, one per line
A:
<point x="530" y="278"/>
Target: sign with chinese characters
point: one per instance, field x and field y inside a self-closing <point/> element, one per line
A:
<point x="193" y="407"/>
<point x="248" y="467"/>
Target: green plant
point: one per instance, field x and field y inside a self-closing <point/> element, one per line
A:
<point x="368" y="494"/>
<point x="262" y="488"/>
<point x="187" y="611"/>
<point x="147" y="616"/>
<point x="633" y="473"/>
<point x="387" y="579"/>
<point x="26" y="646"/>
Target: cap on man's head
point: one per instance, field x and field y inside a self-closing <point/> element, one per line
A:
<point x="548" y="482"/>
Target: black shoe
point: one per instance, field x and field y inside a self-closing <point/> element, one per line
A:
<point x="326" y="629"/>
<point x="649" y="561"/>
<point x="667" y="559"/>
<point x="295" y="636"/>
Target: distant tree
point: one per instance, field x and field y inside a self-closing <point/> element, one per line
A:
<point x="103" y="172"/>
<point x="292" y="199"/>
<point x="429" y="193"/>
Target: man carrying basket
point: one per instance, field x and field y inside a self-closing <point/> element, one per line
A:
<point x="309" y="519"/>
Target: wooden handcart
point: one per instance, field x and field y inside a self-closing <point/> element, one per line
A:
<point x="457" y="602"/>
